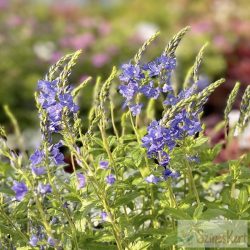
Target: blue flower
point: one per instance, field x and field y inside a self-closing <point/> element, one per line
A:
<point x="152" y="179"/>
<point x="47" y="86"/>
<point x="66" y="100"/>
<point x="33" y="240"/>
<point x="131" y="72"/>
<point x="110" y="179"/>
<point x="48" y="92"/>
<point x="55" y="117"/>
<point x="153" y="68"/>
<point x="20" y="189"/>
<point x="167" y="88"/>
<point x="193" y="158"/>
<point x="129" y="91"/>
<point x="104" y="164"/>
<point x="47" y="100"/>
<point x="56" y="156"/>
<point x="156" y="139"/>
<point x="159" y="139"/>
<point x="202" y="83"/>
<point x="104" y="216"/>
<point x="38" y="170"/>
<point x="81" y="180"/>
<point x="184" y="94"/>
<point x="51" y="241"/>
<point x="168" y="173"/>
<point x="149" y="90"/>
<point x="53" y="99"/>
<point x="37" y="157"/>
<point x="164" y="161"/>
<point x="161" y="63"/>
<point x="44" y="188"/>
<point x="186" y="123"/>
<point x="136" y="109"/>
<point x="168" y="63"/>
<point x="54" y="220"/>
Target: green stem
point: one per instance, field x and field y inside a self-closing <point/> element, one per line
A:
<point x="71" y="223"/>
<point x="155" y="222"/>
<point x="74" y="167"/>
<point x="134" y="127"/>
<point x="5" y="216"/>
<point x="192" y="183"/>
<point x="233" y="190"/>
<point x="171" y="194"/>
<point x="101" y="195"/>
<point x="57" y="194"/>
<point x="43" y="217"/>
<point x="113" y="120"/>
<point x="107" y="149"/>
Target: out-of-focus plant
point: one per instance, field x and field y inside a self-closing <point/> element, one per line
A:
<point x="134" y="175"/>
<point x="34" y="34"/>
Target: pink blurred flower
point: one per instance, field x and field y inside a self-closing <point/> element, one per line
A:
<point x="14" y="21"/>
<point x="104" y="28"/>
<point x="87" y="22"/>
<point x="203" y="26"/>
<point x="99" y="60"/>
<point x="221" y="43"/>
<point x="3" y="4"/>
<point x="55" y="56"/>
<point x="83" y="41"/>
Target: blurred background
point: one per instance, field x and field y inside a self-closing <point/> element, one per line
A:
<point x="36" y="33"/>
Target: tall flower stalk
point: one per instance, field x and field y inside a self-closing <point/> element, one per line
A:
<point x="125" y="181"/>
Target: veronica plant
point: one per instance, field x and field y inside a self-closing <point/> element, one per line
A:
<point x="132" y="175"/>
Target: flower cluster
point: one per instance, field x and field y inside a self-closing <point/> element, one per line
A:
<point x="81" y="180"/>
<point x="20" y="190"/>
<point x="160" y="140"/>
<point x="40" y="236"/>
<point x="184" y="94"/>
<point x="149" y="79"/>
<point x="54" y="99"/>
<point x="38" y="157"/>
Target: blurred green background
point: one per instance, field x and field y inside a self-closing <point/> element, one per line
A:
<point x="35" y="34"/>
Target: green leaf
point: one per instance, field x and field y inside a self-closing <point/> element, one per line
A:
<point x="72" y="197"/>
<point x="198" y="211"/>
<point x="243" y="196"/>
<point x="129" y="137"/>
<point x="7" y="190"/>
<point x="98" y="141"/>
<point x="6" y="170"/>
<point x="178" y="213"/>
<point x="213" y="213"/>
<point x="199" y="142"/>
<point x="169" y="240"/>
<point x="128" y="197"/>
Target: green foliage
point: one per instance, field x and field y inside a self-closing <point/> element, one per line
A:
<point x="138" y="215"/>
